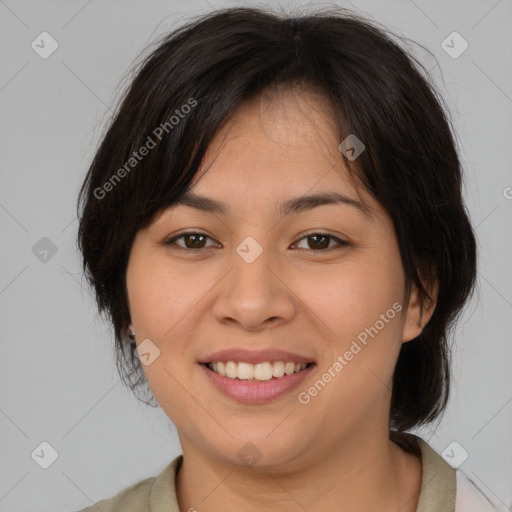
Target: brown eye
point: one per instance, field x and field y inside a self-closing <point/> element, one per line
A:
<point x="192" y="241"/>
<point x="321" y="241"/>
<point x="195" y="242"/>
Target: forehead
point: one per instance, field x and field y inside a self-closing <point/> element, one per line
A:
<point x="283" y="125"/>
<point x="274" y="146"/>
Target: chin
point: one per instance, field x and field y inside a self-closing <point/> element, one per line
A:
<point x="259" y="453"/>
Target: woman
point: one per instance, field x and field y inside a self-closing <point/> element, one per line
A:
<point x="274" y="225"/>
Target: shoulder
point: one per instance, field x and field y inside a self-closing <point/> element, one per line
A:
<point x="155" y="494"/>
<point x="470" y="498"/>
<point x="445" y="489"/>
<point x="131" y="499"/>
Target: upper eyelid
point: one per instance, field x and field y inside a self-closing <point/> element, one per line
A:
<point x="173" y="239"/>
<point x="180" y="235"/>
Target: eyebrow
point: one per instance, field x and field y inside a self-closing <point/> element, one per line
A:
<point x="294" y="205"/>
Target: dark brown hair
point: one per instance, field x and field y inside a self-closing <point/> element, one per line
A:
<point x="377" y="90"/>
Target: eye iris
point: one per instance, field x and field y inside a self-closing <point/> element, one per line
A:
<point x="194" y="246"/>
<point x="323" y="245"/>
<point x="316" y="241"/>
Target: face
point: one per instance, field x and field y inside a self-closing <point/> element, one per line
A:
<point x="318" y="284"/>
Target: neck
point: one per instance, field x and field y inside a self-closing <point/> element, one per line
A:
<point x="361" y="473"/>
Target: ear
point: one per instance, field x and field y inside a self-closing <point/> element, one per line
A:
<point x="418" y="313"/>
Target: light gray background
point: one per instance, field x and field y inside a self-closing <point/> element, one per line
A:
<point x="58" y="379"/>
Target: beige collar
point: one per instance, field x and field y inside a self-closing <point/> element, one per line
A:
<point x="437" y="493"/>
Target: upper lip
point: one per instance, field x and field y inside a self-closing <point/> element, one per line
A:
<point x="254" y="356"/>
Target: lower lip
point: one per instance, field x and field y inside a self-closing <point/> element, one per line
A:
<point x="256" y="392"/>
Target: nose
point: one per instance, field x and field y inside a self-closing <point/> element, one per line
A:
<point x="255" y="294"/>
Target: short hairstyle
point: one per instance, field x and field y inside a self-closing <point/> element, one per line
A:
<point x="200" y="74"/>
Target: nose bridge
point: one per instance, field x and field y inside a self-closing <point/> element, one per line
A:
<point x="254" y="294"/>
<point x="252" y="270"/>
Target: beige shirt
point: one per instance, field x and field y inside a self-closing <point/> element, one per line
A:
<point x="439" y="490"/>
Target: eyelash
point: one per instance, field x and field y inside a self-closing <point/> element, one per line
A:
<point x="342" y="243"/>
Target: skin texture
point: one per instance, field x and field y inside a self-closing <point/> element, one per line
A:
<point x="335" y="449"/>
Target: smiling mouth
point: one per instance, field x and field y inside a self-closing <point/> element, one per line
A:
<point x="258" y="372"/>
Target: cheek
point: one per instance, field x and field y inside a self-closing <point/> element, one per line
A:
<point x="162" y="303"/>
<point x="161" y="298"/>
<point x="359" y="305"/>
<point x="351" y="297"/>
<point x="360" y="313"/>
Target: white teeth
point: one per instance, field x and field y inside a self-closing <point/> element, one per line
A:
<point x="278" y="369"/>
<point x="231" y="369"/>
<point x="259" y="371"/>
<point x="262" y="371"/>
<point x="245" y="371"/>
<point x="221" y="369"/>
<point x="289" y="368"/>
